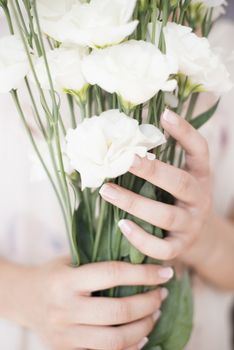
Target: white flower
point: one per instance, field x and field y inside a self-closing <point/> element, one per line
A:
<point x="51" y="9"/>
<point x="14" y="64"/>
<point x="135" y="70"/>
<point x="65" y="69"/>
<point x="210" y="3"/>
<point x="97" y="23"/>
<point x="104" y="147"/>
<point x="196" y="59"/>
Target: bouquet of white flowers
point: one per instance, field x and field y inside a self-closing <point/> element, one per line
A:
<point x="117" y="64"/>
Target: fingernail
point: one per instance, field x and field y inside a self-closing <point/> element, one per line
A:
<point x="166" y="272"/>
<point x="125" y="227"/>
<point x="108" y="192"/>
<point x="142" y="343"/>
<point x="156" y="315"/>
<point x="164" y="293"/>
<point x="170" y="117"/>
<point x="137" y="162"/>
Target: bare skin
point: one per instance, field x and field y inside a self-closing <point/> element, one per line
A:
<point x="198" y="236"/>
<point x="54" y="300"/>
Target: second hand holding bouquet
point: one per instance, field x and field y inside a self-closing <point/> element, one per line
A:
<point x="122" y="63"/>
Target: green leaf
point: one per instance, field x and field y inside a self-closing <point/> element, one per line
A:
<point x="125" y="247"/>
<point x="84" y="240"/>
<point x="148" y="191"/>
<point x="203" y="118"/>
<point x="183" y="322"/>
<point x="169" y="309"/>
<point x="136" y="257"/>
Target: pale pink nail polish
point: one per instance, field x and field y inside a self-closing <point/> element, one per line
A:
<point x="125" y="227"/>
<point x="157" y="315"/>
<point x="142" y="343"/>
<point x="164" y="293"/>
<point x="108" y="192"/>
<point x="170" y="117"/>
<point x="166" y="272"/>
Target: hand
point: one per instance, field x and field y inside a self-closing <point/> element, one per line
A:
<point x="191" y="188"/>
<point x="62" y="310"/>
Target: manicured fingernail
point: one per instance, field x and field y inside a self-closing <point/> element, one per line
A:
<point x="166" y="272"/>
<point x="108" y="192"/>
<point x="164" y="293"/>
<point x="125" y="227"/>
<point x="137" y="162"/>
<point x="142" y="343"/>
<point x="170" y="117"/>
<point x="156" y="315"/>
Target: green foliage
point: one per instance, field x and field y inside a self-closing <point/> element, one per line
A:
<point x="183" y="321"/>
<point x="203" y="118"/>
<point x="164" y="327"/>
<point x="83" y="237"/>
<point x="175" y="325"/>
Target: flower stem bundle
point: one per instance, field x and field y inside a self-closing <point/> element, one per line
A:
<point x="98" y="75"/>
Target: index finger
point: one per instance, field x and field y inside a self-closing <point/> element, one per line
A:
<point x="104" y="275"/>
<point x="194" y="144"/>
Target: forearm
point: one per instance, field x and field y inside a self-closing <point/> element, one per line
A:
<point x="15" y="283"/>
<point x="212" y="256"/>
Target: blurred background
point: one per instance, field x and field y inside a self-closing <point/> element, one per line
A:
<point x="230" y="9"/>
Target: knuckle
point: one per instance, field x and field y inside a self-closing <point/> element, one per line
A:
<point x="183" y="183"/>
<point x="170" y="218"/>
<point x="115" y="341"/>
<point x="130" y="203"/>
<point x="151" y="169"/>
<point x="122" y="312"/>
<point x="113" y="270"/>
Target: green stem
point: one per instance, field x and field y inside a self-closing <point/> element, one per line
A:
<point x="22" y="19"/>
<point x="42" y="96"/>
<point x="99" y="99"/>
<point x="23" y="119"/>
<point x="38" y="118"/>
<point x="192" y="105"/>
<point x="56" y="115"/>
<point x="8" y="17"/>
<point x="99" y="229"/>
<point x="154" y="15"/>
<point x="31" y="26"/>
<point x="72" y="111"/>
<point x="89" y="213"/>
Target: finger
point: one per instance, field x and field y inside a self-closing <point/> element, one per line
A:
<point x="115" y="311"/>
<point x="140" y="345"/>
<point x="195" y="145"/>
<point x="162" y="249"/>
<point x="104" y="275"/>
<point x="106" y="338"/>
<point x="167" y="217"/>
<point x="178" y="182"/>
